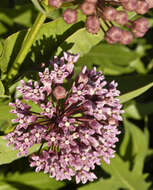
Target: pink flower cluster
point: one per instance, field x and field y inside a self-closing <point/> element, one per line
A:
<point x="76" y="126"/>
<point x="120" y="28"/>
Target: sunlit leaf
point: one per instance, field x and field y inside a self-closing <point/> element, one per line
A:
<point x="121" y="177"/>
<point x="130" y="95"/>
<point x="30" y="181"/>
<point x="7" y="154"/>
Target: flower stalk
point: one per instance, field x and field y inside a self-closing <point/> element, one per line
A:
<point x="27" y="43"/>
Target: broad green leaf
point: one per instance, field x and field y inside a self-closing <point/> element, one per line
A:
<point x="139" y="142"/>
<point x="30" y="181"/>
<point x="48" y="39"/>
<point x="7" y="154"/>
<point x="81" y="42"/>
<point x="112" y="59"/>
<point x="130" y="95"/>
<point x="121" y="177"/>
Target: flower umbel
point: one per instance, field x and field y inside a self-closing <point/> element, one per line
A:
<point x="117" y="25"/>
<point x="76" y="125"/>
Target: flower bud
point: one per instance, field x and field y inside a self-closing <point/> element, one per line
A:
<point x="130" y="5"/>
<point x="92" y="24"/>
<point x="138" y="34"/>
<point x="55" y="3"/>
<point x="114" y="34"/>
<point x="126" y="38"/>
<point x="108" y="40"/>
<point x="142" y="7"/>
<point x="91" y="1"/>
<point x="150" y="3"/>
<point x="59" y="92"/>
<point x="121" y="17"/>
<point x="141" y="25"/>
<point x="88" y="8"/>
<point x="109" y="13"/>
<point x="70" y="16"/>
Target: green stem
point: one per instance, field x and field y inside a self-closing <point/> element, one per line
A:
<point x="28" y="41"/>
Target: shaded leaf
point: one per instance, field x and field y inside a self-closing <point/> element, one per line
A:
<point x="138" y="111"/>
<point x="49" y="32"/>
<point x="139" y="146"/>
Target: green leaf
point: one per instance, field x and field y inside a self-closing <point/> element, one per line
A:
<point x="5" y="115"/>
<point x="7" y="154"/>
<point x="130" y="95"/>
<point x="111" y="59"/>
<point x="121" y="177"/>
<point x="138" y="110"/>
<point x="139" y="141"/>
<point x="47" y="41"/>
<point x="134" y="140"/>
<point x="81" y="42"/>
<point x="30" y="181"/>
<point x="38" y="6"/>
<point x="2" y="90"/>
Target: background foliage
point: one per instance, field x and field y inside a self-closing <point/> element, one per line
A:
<point x="131" y="66"/>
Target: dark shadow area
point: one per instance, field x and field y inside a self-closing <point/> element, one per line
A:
<point x="20" y="165"/>
<point x="21" y="186"/>
<point x="43" y="50"/>
<point x="148" y="168"/>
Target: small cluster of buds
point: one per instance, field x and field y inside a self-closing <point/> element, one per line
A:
<point x="76" y="126"/>
<point x="105" y="10"/>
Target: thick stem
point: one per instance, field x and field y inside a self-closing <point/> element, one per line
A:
<point x="29" y="39"/>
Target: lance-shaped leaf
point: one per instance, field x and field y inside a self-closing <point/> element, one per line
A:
<point x="121" y="177"/>
<point x="133" y="94"/>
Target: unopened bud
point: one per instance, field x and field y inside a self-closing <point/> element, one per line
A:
<point x="91" y="1"/>
<point x="109" y="13"/>
<point x="130" y="5"/>
<point x="121" y="17"/>
<point x="142" y="7"/>
<point x="88" y="8"/>
<point x="114" y="34"/>
<point x="70" y="16"/>
<point x="150" y="3"/>
<point x="59" y="92"/>
<point x="92" y="24"/>
<point x="126" y="38"/>
<point x="140" y="25"/>
<point x="55" y="3"/>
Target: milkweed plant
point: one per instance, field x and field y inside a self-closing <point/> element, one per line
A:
<point x="72" y="98"/>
